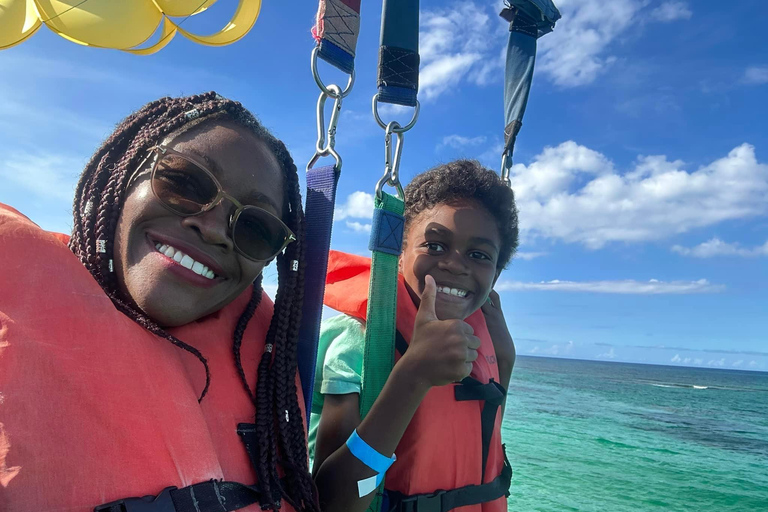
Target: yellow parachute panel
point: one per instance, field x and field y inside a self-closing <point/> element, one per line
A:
<point x="118" y="24"/>
<point x="169" y="30"/>
<point x="106" y="24"/>
<point x="183" y="7"/>
<point x="242" y="21"/>
<point x="18" y="21"/>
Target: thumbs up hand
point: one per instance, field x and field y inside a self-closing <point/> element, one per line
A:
<point x="441" y="351"/>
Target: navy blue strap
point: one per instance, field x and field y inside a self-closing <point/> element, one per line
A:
<point x="321" y="198"/>
<point x="398" y="79"/>
<point x="386" y="232"/>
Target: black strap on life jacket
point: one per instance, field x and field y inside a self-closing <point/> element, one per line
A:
<point x="444" y="501"/>
<point x="210" y="496"/>
<point x="493" y="395"/>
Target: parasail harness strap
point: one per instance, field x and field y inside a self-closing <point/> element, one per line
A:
<point x="336" y="29"/>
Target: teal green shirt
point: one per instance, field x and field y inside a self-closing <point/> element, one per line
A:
<point x="339" y="365"/>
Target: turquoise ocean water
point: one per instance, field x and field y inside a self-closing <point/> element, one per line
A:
<point x="596" y="436"/>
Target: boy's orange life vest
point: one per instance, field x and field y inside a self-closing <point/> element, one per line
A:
<point x="443" y="446"/>
<point x="94" y="408"/>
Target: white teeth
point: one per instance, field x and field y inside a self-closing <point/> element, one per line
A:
<point x="184" y="260"/>
<point x="452" y="291"/>
<point x="187" y="262"/>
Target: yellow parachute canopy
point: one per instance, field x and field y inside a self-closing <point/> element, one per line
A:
<point x="118" y="24"/>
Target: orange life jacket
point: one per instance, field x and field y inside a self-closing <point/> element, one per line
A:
<point x="439" y="462"/>
<point x="94" y="408"/>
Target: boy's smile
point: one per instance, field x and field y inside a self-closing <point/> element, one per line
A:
<point x="458" y="245"/>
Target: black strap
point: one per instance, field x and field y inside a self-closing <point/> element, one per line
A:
<point x="493" y="394"/>
<point x="210" y="496"/>
<point x="400" y="344"/>
<point x="444" y="501"/>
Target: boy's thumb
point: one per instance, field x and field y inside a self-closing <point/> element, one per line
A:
<point x="426" y="311"/>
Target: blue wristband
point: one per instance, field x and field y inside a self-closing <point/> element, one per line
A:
<point x="370" y="457"/>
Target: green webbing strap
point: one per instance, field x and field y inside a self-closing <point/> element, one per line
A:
<point x="386" y="242"/>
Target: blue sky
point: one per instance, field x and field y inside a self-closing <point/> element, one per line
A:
<point x="641" y="169"/>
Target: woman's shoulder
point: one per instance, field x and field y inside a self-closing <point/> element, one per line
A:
<point x="17" y="227"/>
<point x="28" y="250"/>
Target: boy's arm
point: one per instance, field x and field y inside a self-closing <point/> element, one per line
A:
<point x="337" y="471"/>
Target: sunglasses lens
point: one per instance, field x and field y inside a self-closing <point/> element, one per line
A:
<point x="182" y="185"/>
<point x="259" y="234"/>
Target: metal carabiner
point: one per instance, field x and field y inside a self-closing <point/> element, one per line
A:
<point x="392" y="164"/>
<point x="505" y="169"/>
<point x="326" y="140"/>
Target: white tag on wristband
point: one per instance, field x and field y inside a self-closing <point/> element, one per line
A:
<point x="367" y="486"/>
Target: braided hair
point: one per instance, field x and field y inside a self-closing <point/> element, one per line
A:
<point x="466" y="180"/>
<point x="99" y="199"/>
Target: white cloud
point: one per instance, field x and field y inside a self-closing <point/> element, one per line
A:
<point x="625" y="287"/>
<point x="359" y="205"/>
<point x="466" y="41"/>
<point x="738" y="363"/>
<point x="573" y="193"/>
<point x="459" y="141"/>
<point x="48" y="176"/>
<point x="534" y="350"/>
<point x="529" y="255"/>
<point x="560" y="350"/>
<point x="716" y="362"/>
<point x="671" y="11"/>
<point x="698" y="360"/>
<point x="578" y="51"/>
<point x="676" y="359"/>
<point x="358" y="227"/>
<point x="457" y="43"/>
<point x="716" y="247"/>
<point x="687" y="360"/>
<point x="753" y="364"/>
<point x="611" y="354"/>
<point x="756" y="75"/>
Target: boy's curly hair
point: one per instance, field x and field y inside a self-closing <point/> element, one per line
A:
<point x="466" y="180"/>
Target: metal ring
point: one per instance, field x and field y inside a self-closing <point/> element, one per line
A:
<point x="402" y="129"/>
<point x="326" y="89"/>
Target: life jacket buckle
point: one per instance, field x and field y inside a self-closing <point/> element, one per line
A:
<point x="424" y="503"/>
<point x="160" y="503"/>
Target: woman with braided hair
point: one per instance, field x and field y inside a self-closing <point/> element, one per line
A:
<point x="117" y="380"/>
